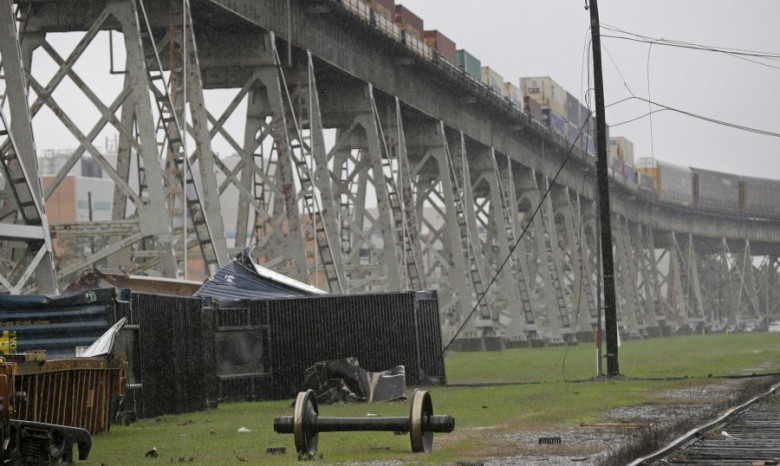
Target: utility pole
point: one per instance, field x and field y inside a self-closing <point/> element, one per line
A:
<point x="602" y="183"/>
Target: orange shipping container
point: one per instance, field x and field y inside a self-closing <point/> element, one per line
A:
<point x="408" y="20"/>
<point x="441" y="43"/>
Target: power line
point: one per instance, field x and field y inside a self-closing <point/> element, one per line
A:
<point x="692" y="115"/>
<point x="747" y="55"/>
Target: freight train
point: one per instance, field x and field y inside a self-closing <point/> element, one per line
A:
<point x="547" y="104"/>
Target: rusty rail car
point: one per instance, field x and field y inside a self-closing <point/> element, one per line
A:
<point x="48" y="407"/>
<point x="74" y="392"/>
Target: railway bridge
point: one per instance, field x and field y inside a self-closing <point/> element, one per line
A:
<point x="363" y="162"/>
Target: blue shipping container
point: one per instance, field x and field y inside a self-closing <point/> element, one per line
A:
<point x="554" y="122"/>
<point x="56" y="324"/>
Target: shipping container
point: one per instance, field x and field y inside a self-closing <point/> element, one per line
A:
<point x="616" y="165"/>
<point x="492" y="79"/>
<point x="573" y="134"/>
<point x="621" y="148"/>
<point x="716" y="190"/>
<point x="388" y="27"/>
<point x="547" y="92"/>
<point x="56" y="324"/>
<point x="629" y="173"/>
<point x="358" y="7"/>
<point x="386" y="8"/>
<point x="417" y="45"/>
<point x="554" y="121"/>
<point x="590" y="145"/>
<point x="513" y="95"/>
<point x="673" y="183"/>
<point x="761" y="196"/>
<point x="441" y="44"/>
<point x="533" y="108"/>
<point x="645" y="181"/>
<point x="574" y="111"/>
<point x="469" y="63"/>
<point x="408" y="21"/>
<point x="584" y="113"/>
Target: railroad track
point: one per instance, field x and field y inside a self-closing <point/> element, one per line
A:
<point x="746" y="435"/>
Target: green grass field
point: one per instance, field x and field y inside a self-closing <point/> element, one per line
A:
<point x="523" y="389"/>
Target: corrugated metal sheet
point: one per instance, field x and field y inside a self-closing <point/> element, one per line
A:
<point x="185" y="354"/>
<point x="243" y="279"/>
<point x="177" y="365"/>
<point x="381" y="330"/>
<point x="57" y="324"/>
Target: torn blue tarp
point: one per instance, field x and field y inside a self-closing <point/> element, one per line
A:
<point x="243" y="279"/>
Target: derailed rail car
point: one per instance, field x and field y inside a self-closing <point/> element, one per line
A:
<point x="49" y="407"/>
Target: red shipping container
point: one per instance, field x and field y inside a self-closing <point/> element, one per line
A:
<point x="533" y="108"/>
<point x="405" y="17"/>
<point x="441" y="43"/>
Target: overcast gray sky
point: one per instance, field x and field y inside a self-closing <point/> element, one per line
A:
<point x="548" y="38"/>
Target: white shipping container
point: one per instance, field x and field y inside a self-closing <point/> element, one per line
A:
<point x="358" y="7"/>
<point x="545" y="91"/>
<point x="388" y="27"/>
<point x="417" y="46"/>
<point x="512" y="93"/>
<point x="492" y="80"/>
<point x="621" y="148"/>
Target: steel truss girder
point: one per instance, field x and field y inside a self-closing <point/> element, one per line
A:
<point x="576" y="270"/>
<point x="25" y="226"/>
<point x="631" y="316"/>
<point x="517" y="313"/>
<point x="649" y="287"/>
<point x="686" y="287"/>
<point x="746" y="302"/>
<point x="554" y="325"/>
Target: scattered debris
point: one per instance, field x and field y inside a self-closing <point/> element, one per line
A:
<point x="244" y="429"/>
<point x="276" y="451"/>
<point x="549" y="440"/>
